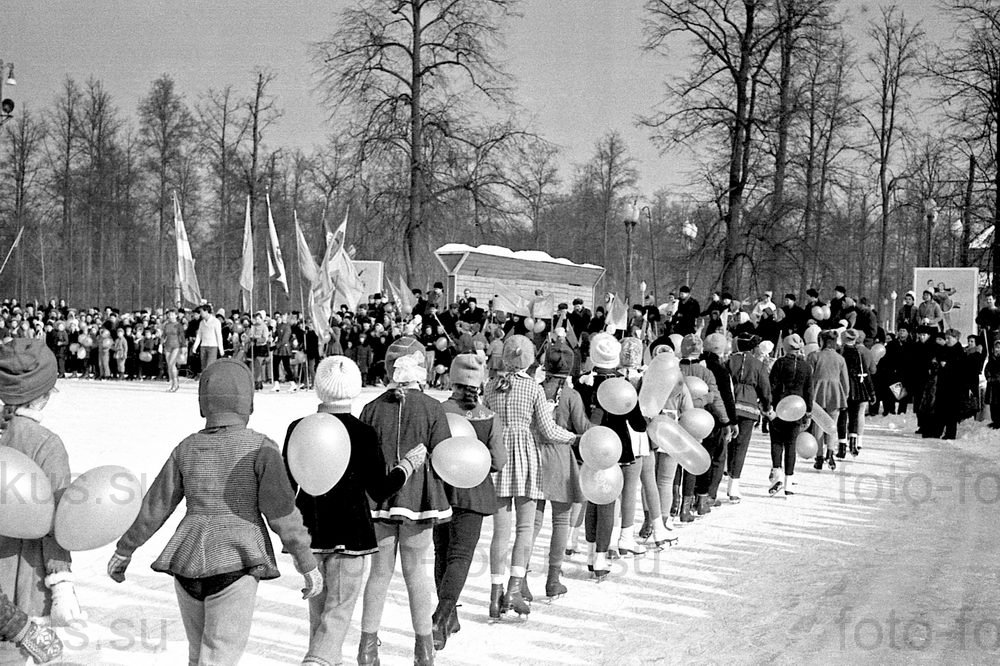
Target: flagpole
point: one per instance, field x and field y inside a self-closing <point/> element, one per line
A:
<point x="298" y="260"/>
<point x="13" y="245"/>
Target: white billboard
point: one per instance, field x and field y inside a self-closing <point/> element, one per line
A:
<point x="370" y="273"/>
<point x="957" y="292"/>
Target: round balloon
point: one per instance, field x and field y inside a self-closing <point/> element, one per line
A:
<point x="817" y="313"/>
<point x="600" y="447"/>
<point x="145" y="356"/>
<point x="97" y="508"/>
<point x="539" y="326"/>
<point x="806" y="445"/>
<point x="319" y="449"/>
<point x="601" y="486"/>
<point x="461" y="462"/>
<point x="679" y="444"/>
<point x="26" y="505"/>
<point x="791" y="408"/>
<point x="698" y="422"/>
<point x="460" y="426"/>
<point x="81" y="353"/>
<point x="878" y="351"/>
<point x="617" y="395"/>
<point x="697" y="387"/>
<point x="106" y="343"/>
<point x="658" y="383"/>
<point x="86" y="340"/>
<point x="74" y="347"/>
<point x="529" y="324"/>
<point x="824" y="421"/>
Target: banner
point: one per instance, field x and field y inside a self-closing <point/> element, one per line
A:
<point x="616" y="313"/>
<point x="370" y="274"/>
<point x="246" y="272"/>
<point x="306" y="263"/>
<point x="275" y="264"/>
<point x="956" y="290"/>
<point x="507" y="298"/>
<point x="187" y="281"/>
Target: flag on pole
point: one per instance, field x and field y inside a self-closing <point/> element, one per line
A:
<point x="307" y="265"/>
<point x="347" y="285"/>
<point x="275" y="264"/>
<point x="187" y="281"/>
<point x="246" y="272"/>
<point x="407" y="301"/>
<point x="617" y="314"/>
<point x="17" y="239"/>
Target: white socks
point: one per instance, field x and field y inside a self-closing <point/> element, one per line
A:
<point x="734" y="488"/>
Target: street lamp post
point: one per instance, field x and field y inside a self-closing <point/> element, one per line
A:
<point x="652" y="249"/>
<point x="6" y="105"/>
<point x="690" y="234"/>
<point x="930" y="211"/>
<point x="630" y="221"/>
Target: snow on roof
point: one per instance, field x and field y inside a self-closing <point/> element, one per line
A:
<point x="497" y="251"/>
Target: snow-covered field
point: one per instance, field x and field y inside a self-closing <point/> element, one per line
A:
<point x="674" y="606"/>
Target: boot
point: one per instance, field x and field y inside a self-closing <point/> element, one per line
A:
<point x="441" y="627"/>
<point x="423" y="651"/>
<point x="686" y="516"/>
<point x="818" y="465"/>
<point x="553" y="588"/>
<point x="788" y="485"/>
<point x="842" y="449"/>
<point x="513" y="599"/>
<point x="453" y="626"/>
<point x="601" y="567"/>
<point x="704" y="505"/>
<point x="663" y="535"/>
<point x="777" y="482"/>
<point x="497" y="607"/>
<point x="627" y="544"/>
<point x="853" y="439"/>
<point x="830" y="461"/>
<point x="525" y="592"/>
<point x="733" y="492"/>
<point x="368" y="649"/>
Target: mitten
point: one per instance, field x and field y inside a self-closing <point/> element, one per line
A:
<point x="117" y="565"/>
<point x="40" y="643"/>
<point x="65" y="605"/>
<point x="314" y="583"/>
<point x="413" y="459"/>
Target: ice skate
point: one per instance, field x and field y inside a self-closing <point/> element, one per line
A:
<point x="553" y="588"/>
<point x="627" y="544"/>
<point x="853" y="443"/>
<point x="733" y="491"/>
<point x="663" y="536"/>
<point x="513" y="600"/>
<point x="497" y="607"/>
<point x="601" y="568"/>
<point x="830" y="461"/>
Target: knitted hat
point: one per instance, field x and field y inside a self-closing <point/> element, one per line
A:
<point x="716" y="343"/>
<point x="467" y="370"/>
<point x="605" y="351"/>
<point x="827" y="336"/>
<point x="850" y="336"/>
<point x="338" y="381"/>
<point x="559" y="360"/>
<point x="404" y="346"/>
<point x="691" y="346"/>
<point x="765" y="347"/>
<point x="225" y="393"/>
<point x="518" y="353"/>
<point x="27" y="370"/>
<point x="631" y="353"/>
<point x="792" y="343"/>
<point x="811" y="335"/>
<point x="746" y="343"/>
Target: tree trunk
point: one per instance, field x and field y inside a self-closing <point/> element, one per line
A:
<point x="967" y="213"/>
<point x="416" y="149"/>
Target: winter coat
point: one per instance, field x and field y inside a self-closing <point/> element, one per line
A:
<point x="713" y="401"/>
<point x="402" y="420"/>
<point x="339" y="521"/>
<point x="24" y="563"/>
<point x="830" y="383"/>
<point x="860" y="368"/>
<point x="792" y="375"/>
<point x="724" y="383"/>
<point x="751" y="385"/>
<point x="481" y="499"/>
<point x="929" y="313"/>
<point x="560" y="469"/>
<point x="619" y="423"/>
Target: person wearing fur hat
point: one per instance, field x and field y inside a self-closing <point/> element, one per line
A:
<point x="790" y="375"/>
<point x="455" y="541"/>
<point x="560" y="468"/>
<point x="35" y="572"/>
<point x="232" y="479"/>
<point x="520" y="403"/>
<point x="860" y="368"/>
<point x="830" y="388"/>
<point x="404" y="417"/>
<point x="339" y="521"/>
<point x="692" y="365"/>
<point x="606" y="356"/>
<point x="751" y="398"/>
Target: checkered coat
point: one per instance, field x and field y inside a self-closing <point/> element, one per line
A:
<point x="527" y="420"/>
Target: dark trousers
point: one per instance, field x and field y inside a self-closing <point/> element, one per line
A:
<point x="739" y="446"/>
<point x="598" y="524"/>
<point x="783" y="436"/>
<point x="454" y="547"/>
<point x="708" y="483"/>
<point x="684" y="483"/>
<point x="283" y="362"/>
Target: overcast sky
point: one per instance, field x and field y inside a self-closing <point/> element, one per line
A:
<point x="578" y="63"/>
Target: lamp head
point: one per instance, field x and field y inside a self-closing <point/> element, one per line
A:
<point x="11" y="81"/>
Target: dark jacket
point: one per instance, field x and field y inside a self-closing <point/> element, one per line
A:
<point x="481" y="499"/>
<point x="619" y="423"/>
<point x="751" y="385"/>
<point x="724" y="381"/>
<point x="340" y="521"/>
<point x="792" y="375"/>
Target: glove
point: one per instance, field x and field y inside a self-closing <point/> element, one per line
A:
<point x="40" y="643"/>
<point x="117" y="565"/>
<point x="575" y="446"/>
<point x="314" y="583"/>
<point x="734" y="430"/>
<point x="413" y="459"/>
<point x="65" y="605"/>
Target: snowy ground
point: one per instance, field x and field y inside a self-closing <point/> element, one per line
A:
<point x="891" y="559"/>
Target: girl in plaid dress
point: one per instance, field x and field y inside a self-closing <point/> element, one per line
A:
<point x="521" y="405"/>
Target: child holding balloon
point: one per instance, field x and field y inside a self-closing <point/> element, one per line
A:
<point x="404" y="418"/>
<point x="692" y="365"/>
<point x="830" y="386"/>
<point x="791" y="376"/>
<point x="36" y="572"/>
<point x="339" y="521"/>
<point x="455" y="541"/>
<point x="232" y="478"/>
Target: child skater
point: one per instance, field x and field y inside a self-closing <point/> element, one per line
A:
<point x="790" y="375"/>
<point x="455" y="541"/>
<point x="339" y="521"/>
<point x="404" y="417"/>
<point x="232" y="479"/>
<point x="36" y="572"/>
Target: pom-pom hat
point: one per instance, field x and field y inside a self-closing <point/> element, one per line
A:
<point x="518" y="353"/>
<point x="605" y="351"/>
<point x="27" y="371"/>
<point x="338" y="382"/>
<point x="467" y="370"/>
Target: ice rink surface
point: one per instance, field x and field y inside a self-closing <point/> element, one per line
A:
<point x="906" y="532"/>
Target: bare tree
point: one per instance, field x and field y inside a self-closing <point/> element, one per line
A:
<point x="24" y="137"/>
<point x="402" y="67"/>
<point x="63" y="150"/>
<point x="537" y="177"/>
<point x="612" y="171"/>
